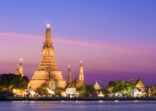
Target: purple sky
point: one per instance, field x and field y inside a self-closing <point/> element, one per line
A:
<point x="115" y="39"/>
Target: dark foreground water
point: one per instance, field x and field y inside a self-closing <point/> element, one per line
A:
<point x="78" y="106"/>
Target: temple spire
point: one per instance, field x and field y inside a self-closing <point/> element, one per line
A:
<point x="47" y="69"/>
<point x="81" y="74"/>
<point x="80" y="81"/>
<point x="19" y="70"/>
<point x="48" y="33"/>
<point x="69" y="74"/>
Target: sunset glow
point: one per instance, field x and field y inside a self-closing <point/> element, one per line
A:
<point x="114" y="44"/>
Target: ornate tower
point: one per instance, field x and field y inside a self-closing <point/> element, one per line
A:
<point x="80" y="81"/>
<point x="48" y="53"/>
<point x="69" y="75"/>
<point x="19" y="70"/>
<point x="47" y="68"/>
<point x="97" y="86"/>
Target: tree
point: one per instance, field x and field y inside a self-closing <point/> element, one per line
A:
<point x="82" y="90"/>
<point x="123" y="87"/>
<point x="59" y="91"/>
<point x="89" y="90"/>
<point x="41" y="91"/>
<point x="154" y="90"/>
<point x="8" y="82"/>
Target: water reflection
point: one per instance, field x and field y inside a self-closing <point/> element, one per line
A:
<point x="78" y="106"/>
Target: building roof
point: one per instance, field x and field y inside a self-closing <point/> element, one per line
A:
<point x="138" y="83"/>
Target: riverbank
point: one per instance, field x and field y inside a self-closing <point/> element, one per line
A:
<point x="74" y="99"/>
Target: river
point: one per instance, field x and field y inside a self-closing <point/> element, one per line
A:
<point x="78" y="106"/>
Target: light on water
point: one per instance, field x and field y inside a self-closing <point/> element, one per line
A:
<point x="100" y="101"/>
<point x="135" y="100"/>
<point x="78" y="106"/>
<point x="116" y="101"/>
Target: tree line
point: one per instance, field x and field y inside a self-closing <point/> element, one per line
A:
<point x="10" y="81"/>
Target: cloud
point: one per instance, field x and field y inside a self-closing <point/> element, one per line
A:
<point x="106" y="55"/>
<point x="107" y="46"/>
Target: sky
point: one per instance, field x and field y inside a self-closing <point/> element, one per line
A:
<point x="115" y="39"/>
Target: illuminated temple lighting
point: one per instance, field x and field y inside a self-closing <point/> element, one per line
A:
<point x="48" y="25"/>
<point x="69" y="66"/>
<point x="47" y="73"/>
<point x="21" y="60"/>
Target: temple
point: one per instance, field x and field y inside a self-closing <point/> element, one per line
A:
<point x="69" y="75"/>
<point x="47" y="69"/>
<point x="19" y="70"/>
<point x="80" y="82"/>
<point x="97" y="86"/>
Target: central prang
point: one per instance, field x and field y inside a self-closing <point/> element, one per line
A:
<point x="47" y="69"/>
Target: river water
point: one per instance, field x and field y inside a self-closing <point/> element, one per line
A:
<point x="78" y="106"/>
